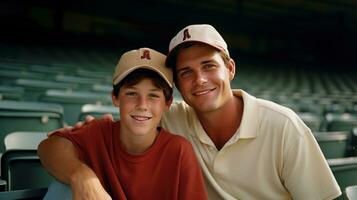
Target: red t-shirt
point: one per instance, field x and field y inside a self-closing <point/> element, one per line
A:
<point x="167" y="170"/>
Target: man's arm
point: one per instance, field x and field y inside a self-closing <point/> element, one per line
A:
<point x="60" y="158"/>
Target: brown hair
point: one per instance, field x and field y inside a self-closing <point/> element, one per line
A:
<point x="139" y="74"/>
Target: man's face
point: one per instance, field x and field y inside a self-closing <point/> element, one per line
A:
<point x="203" y="78"/>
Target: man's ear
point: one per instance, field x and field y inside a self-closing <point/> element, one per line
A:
<point x="115" y="99"/>
<point x="169" y="102"/>
<point x="231" y="65"/>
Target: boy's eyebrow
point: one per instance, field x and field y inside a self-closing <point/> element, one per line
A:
<point x="156" y="89"/>
<point x="134" y="88"/>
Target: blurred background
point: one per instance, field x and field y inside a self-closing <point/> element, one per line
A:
<point x="320" y="33"/>
<point x="57" y="59"/>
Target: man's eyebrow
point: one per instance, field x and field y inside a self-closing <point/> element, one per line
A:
<point x="207" y="61"/>
<point x="202" y="63"/>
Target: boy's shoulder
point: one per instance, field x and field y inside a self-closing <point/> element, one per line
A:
<point x="174" y="139"/>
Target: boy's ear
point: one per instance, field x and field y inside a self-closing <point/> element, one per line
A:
<point x="115" y="99"/>
<point x="169" y="102"/>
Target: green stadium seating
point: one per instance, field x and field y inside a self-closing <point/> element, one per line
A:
<point x="28" y="116"/>
<point x="10" y="75"/>
<point x="72" y="101"/>
<point x="103" y="75"/>
<point x="98" y="111"/>
<point x="333" y="144"/>
<point x="341" y="121"/>
<point x="312" y="120"/>
<point x="11" y="92"/>
<point x="22" y="169"/>
<point x="26" y="194"/>
<point x="34" y="89"/>
<point x="102" y="88"/>
<point x="82" y="82"/>
<point x="24" y="140"/>
<point x="351" y="192"/>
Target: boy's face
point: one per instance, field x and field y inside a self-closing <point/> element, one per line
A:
<point x="203" y="78"/>
<point x="141" y="107"/>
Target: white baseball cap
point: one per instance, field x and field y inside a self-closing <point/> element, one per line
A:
<point x="142" y="58"/>
<point x="203" y="33"/>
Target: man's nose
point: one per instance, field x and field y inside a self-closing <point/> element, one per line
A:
<point x="200" y="78"/>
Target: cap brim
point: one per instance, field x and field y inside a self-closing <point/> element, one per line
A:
<point x="173" y="53"/>
<point x="126" y="73"/>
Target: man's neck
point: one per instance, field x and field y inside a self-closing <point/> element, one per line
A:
<point x="220" y="125"/>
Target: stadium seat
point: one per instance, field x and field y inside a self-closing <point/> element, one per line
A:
<point x="24" y="140"/>
<point x="344" y="170"/>
<point x="102" y="88"/>
<point x="341" y="121"/>
<point x="22" y="169"/>
<point x="351" y="192"/>
<point x="34" y="89"/>
<point x="82" y="82"/>
<point x="352" y="151"/>
<point x="26" y="194"/>
<point x="312" y="120"/>
<point x="333" y="144"/>
<point x="28" y="116"/>
<point x="10" y="75"/>
<point x="11" y="92"/>
<point x="98" y="111"/>
<point x="72" y="101"/>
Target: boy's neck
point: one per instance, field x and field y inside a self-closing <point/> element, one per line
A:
<point x="136" y="145"/>
<point x="222" y="124"/>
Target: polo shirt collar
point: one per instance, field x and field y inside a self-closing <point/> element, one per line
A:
<point x="250" y="120"/>
<point x="249" y="124"/>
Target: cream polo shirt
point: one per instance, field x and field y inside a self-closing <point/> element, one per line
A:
<point x="273" y="155"/>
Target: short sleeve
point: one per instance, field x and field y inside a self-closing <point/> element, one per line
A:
<point x="306" y="174"/>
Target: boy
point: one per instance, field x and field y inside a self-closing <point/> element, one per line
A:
<point x="132" y="158"/>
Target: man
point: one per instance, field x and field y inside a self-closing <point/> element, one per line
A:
<point x="248" y="148"/>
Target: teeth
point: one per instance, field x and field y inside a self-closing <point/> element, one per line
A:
<point x="140" y="118"/>
<point x="202" y="92"/>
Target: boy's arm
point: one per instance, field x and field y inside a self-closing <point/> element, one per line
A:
<point x="60" y="158"/>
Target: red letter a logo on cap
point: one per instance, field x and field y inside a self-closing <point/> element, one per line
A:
<point x="186" y="35"/>
<point x="146" y="55"/>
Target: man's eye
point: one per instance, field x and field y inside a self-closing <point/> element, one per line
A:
<point x="209" y="66"/>
<point x="185" y="74"/>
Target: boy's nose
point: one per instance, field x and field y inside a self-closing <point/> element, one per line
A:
<point x="142" y="104"/>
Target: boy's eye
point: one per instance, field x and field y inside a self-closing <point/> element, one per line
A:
<point x="130" y="93"/>
<point x="154" y="95"/>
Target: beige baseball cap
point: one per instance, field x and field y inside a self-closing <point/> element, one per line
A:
<point x="142" y="58"/>
<point x="203" y="33"/>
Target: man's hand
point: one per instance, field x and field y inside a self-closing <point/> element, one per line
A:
<point x="80" y="124"/>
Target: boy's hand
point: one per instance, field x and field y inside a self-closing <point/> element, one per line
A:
<point x="86" y="185"/>
<point x="80" y="124"/>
